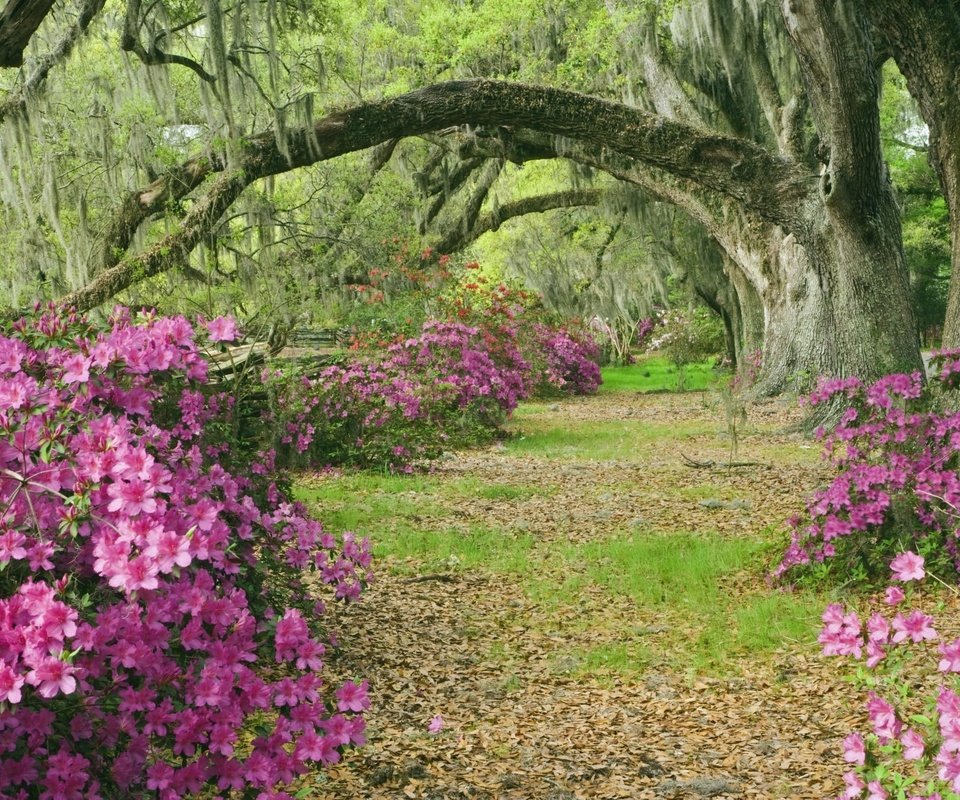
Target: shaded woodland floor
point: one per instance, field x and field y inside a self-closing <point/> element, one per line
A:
<point x="588" y="614"/>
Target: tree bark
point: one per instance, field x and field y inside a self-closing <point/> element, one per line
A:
<point x="923" y="36"/>
<point x="19" y="20"/>
<point x="16" y="101"/>
<point x="851" y="234"/>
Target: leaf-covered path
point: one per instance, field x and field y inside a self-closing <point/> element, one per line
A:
<point x="588" y="615"/>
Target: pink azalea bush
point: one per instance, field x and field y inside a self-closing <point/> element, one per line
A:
<point x="158" y="632"/>
<point x="451" y="385"/>
<point x="897" y="456"/>
<point x="570" y="364"/>
<point x="910" y="747"/>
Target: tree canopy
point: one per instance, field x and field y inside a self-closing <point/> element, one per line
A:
<point x="224" y="142"/>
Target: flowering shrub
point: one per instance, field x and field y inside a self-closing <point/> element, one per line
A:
<point x="156" y="633"/>
<point x="912" y="747"/>
<point x="449" y="384"/>
<point x="897" y="480"/>
<point x="570" y="364"/>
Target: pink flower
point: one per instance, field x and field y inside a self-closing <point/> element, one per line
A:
<point x="893" y="596"/>
<point x="53" y="677"/>
<point x="912" y="745"/>
<point x="10" y="684"/>
<point x="951" y="657"/>
<point x="854" y="750"/>
<point x="76" y="369"/>
<point x="877" y="792"/>
<point x="223" y="329"/>
<point x="351" y="697"/>
<point x="854" y="784"/>
<point x="907" y="566"/>
<point x="878" y="629"/>
<point x="917" y="627"/>
<point x="436" y="724"/>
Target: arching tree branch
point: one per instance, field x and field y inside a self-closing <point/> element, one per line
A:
<point x="773" y="187"/>
<point x="19" y="20"/>
<point x="458" y="238"/>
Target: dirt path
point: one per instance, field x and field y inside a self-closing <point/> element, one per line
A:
<point x="522" y="716"/>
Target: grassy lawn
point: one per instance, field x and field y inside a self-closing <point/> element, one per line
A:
<point x="656" y="374"/>
<point x="618" y="605"/>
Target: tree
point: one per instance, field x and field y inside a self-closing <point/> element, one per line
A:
<point x="785" y="171"/>
<point x="922" y="37"/>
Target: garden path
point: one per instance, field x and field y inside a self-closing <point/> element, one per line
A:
<point x="588" y="614"/>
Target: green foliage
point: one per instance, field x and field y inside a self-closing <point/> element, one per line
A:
<point x="686" y="337"/>
<point x="926" y="226"/>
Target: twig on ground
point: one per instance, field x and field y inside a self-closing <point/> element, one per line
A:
<point x="694" y="464"/>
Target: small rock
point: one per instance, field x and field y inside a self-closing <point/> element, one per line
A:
<point x="510" y="781"/>
<point x="380" y="775"/>
<point x="446" y="455"/>
<point x="705" y="787"/>
<point x="710" y="787"/>
<point x="712" y="502"/>
<point x="414" y="769"/>
<point x="553" y="407"/>
<point x="650" y="768"/>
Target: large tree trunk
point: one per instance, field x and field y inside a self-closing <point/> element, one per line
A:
<point x="857" y="279"/>
<point x="924" y="37"/>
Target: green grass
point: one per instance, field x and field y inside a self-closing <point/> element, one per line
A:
<point x="683" y="585"/>
<point x="631" y="602"/>
<point x="600" y="440"/>
<point x="677" y="570"/>
<point x="657" y="374"/>
<point x="452" y="549"/>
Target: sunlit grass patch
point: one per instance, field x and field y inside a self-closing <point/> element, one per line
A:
<point x="600" y="440"/>
<point x="676" y="570"/>
<point x="452" y="549"/>
<point x="683" y="583"/>
<point x="657" y="374"/>
<point x="475" y="488"/>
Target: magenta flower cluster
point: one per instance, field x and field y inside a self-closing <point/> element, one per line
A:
<point x="571" y="364"/>
<point x="451" y="385"/>
<point x="157" y="637"/>
<point x="912" y="746"/>
<point x="897" y="480"/>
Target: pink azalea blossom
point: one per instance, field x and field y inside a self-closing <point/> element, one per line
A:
<point x="876" y="791"/>
<point x="907" y="566"/>
<point x="854" y="786"/>
<point x="10" y="684"/>
<point x="893" y="596"/>
<point x="223" y="329"/>
<point x="916" y="627"/>
<point x="951" y="656"/>
<point x="351" y="697"/>
<point x="913" y="745"/>
<point x="436" y="724"/>
<point x="854" y="750"/>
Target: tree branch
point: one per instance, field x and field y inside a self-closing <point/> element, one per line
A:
<point x="771" y="186"/>
<point x="130" y="42"/>
<point x="458" y="238"/>
<point x="16" y="101"/>
<point x="19" y="20"/>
